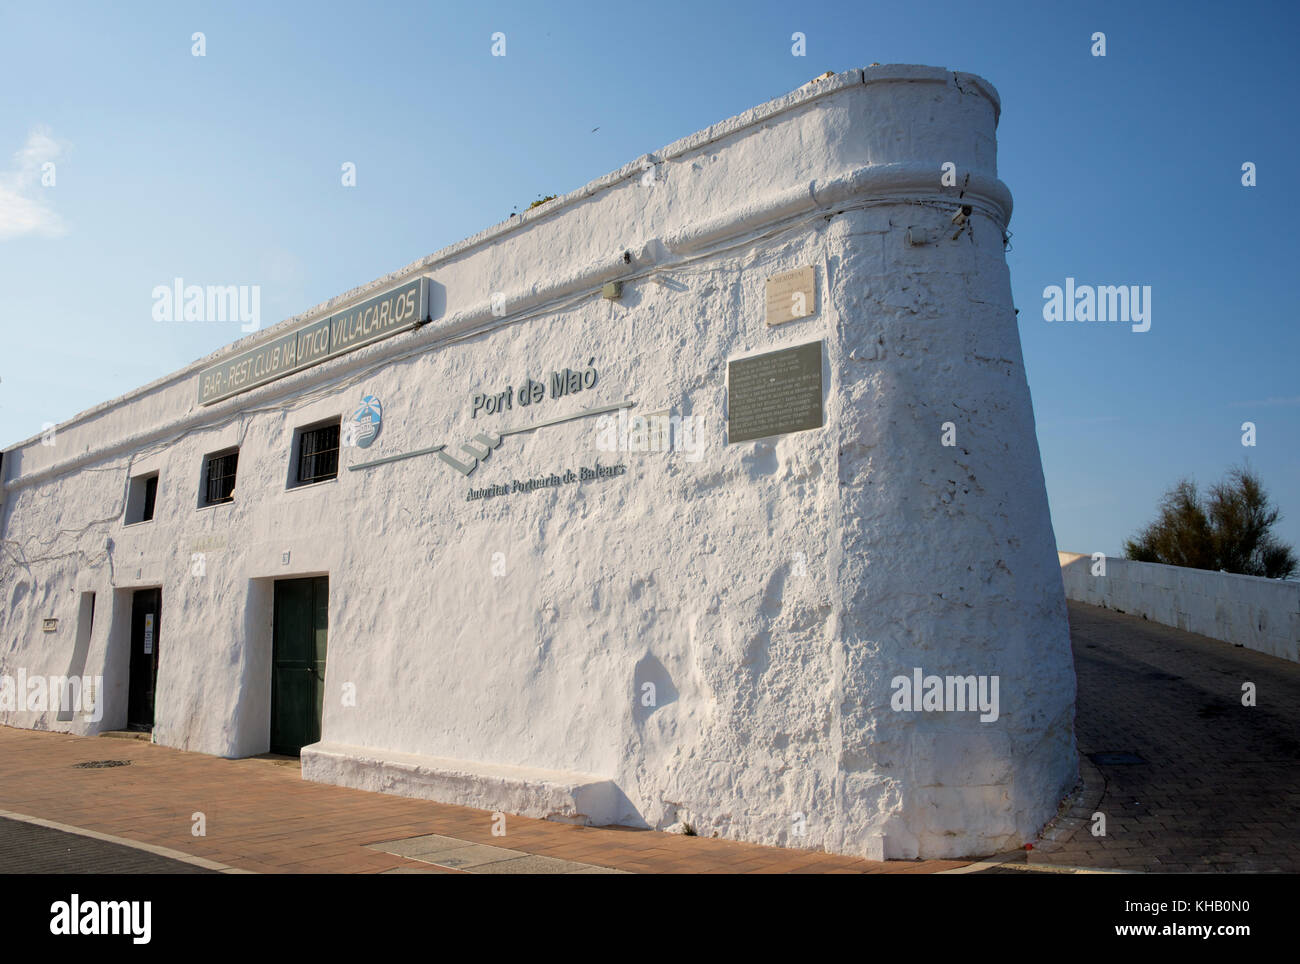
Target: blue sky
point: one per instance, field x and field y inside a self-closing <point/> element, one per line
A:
<point x="225" y="169"/>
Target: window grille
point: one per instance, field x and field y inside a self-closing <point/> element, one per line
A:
<point x="318" y="454"/>
<point x="221" y="478"/>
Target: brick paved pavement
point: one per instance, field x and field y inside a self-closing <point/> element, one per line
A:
<point x="262" y="816"/>
<point x="1220" y="790"/>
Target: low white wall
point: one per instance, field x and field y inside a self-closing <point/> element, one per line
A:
<point x="1260" y="614"/>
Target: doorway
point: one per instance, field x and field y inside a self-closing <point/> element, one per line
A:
<point x="300" y="622"/>
<point x="146" y="607"/>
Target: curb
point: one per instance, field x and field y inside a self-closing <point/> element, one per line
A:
<point x="1077" y="810"/>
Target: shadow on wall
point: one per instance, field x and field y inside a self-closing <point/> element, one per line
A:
<point x="252" y="730"/>
<point x="624" y="810"/>
<point x="80" y="649"/>
<point x="653" y="688"/>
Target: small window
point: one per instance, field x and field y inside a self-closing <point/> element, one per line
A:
<point x="141" y="495"/>
<point x="219" y="477"/>
<point x="318" y="454"/>
<point x="150" y="496"/>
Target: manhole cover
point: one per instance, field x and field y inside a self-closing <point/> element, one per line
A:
<point x="1115" y="758"/>
<point x="101" y="764"/>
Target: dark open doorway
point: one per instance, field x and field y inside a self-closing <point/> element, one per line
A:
<point x="146" y="608"/>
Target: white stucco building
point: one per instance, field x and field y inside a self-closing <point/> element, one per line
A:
<point x="512" y="597"/>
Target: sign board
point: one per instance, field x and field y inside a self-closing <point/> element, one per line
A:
<point x="775" y="393"/>
<point x="791" y="295"/>
<point x="148" y="634"/>
<point x="387" y="314"/>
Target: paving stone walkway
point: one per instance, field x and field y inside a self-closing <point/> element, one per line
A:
<point x="445" y="854"/>
<point x="259" y="815"/>
<point x="1217" y="788"/>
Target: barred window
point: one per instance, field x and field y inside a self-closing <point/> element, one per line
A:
<point x="220" y="480"/>
<point x="318" y="454"/>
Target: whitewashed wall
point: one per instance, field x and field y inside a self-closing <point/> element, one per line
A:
<point x="1260" y="614"/>
<point x="771" y="590"/>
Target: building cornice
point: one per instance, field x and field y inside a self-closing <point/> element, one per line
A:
<point x="912" y="182"/>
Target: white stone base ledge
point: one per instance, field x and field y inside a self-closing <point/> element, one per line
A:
<point x="568" y="797"/>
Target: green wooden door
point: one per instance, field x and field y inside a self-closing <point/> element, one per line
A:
<point x="300" y="624"/>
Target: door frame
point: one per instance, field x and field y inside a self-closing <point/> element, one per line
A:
<point x="316" y="579"/>
<point x="131" y="669"/>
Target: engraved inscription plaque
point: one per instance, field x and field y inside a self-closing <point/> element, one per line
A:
<point x="775" y="393"/>
<point x="791" y="295"/>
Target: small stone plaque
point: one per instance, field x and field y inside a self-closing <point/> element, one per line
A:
<point x="791" y="295"/>
<point x="775" y="393"/>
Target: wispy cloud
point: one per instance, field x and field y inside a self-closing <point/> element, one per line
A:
<point x="1268" y="402"/>
<point x="24" y="208"/>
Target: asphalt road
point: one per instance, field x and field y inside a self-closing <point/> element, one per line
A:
<point x="27" y="848"/>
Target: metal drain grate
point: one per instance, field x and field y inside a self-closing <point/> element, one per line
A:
<point x="1115" y="758"/>
<point x="101" y="764"/>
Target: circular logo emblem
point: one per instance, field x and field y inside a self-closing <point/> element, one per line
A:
<point x="368" y="418"/>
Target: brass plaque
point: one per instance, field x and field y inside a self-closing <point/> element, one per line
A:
<point x="775" y="393"/>
<point x="791" y="295"/>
